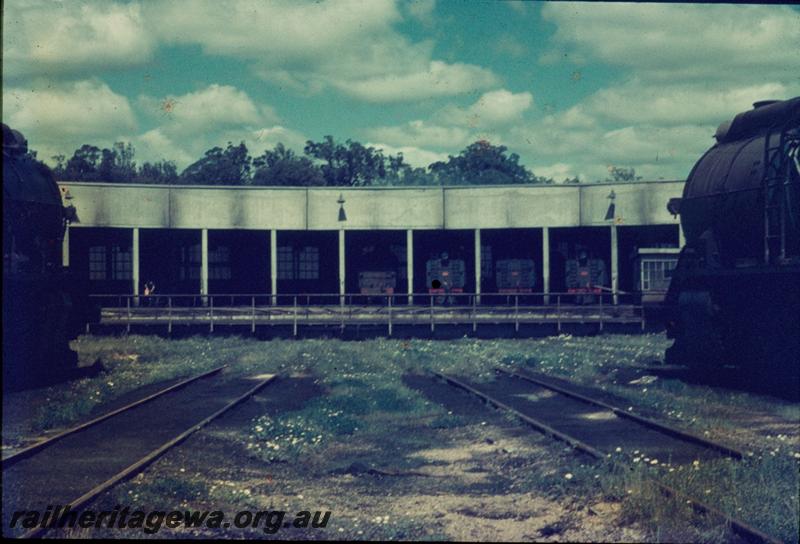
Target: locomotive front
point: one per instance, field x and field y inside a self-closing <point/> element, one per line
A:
<point x="734" y="298"/>
<point x="43" y="306"/>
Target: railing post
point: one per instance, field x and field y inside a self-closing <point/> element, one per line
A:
<point x="516" y="313"/>
<point x="128" y="327"/>
<point x="601" y="311"/>
<point x="211" y="313"/>
<point x="342" y="309"/>
<point x="474" y="314"/>
<point x="253" y="314"/>
<point x="558" y="311"/>
<point x="641" y="309"/>
<point x="390" y="315"/>
<point x="295" y="316"/>
<point x="432" y="325"/>
<point x="169" y="314"/>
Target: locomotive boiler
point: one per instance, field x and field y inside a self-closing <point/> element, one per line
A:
<point x="734" y="297"/>
<point x="44" y="307"/>
<point x="515" y="275"/>
<point x="445" y="276"/>
<point x="585" y="277"/>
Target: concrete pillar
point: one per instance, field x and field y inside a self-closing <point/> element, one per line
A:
<point x="204" y="262"/>
<point x="273" y="265"/>
<point x="410" y="264"/>
<point x="135" y="264"/>
<point x="341" y="265"/>
<point x="614" y="263"/>
<point x="477" y="266"/>
<point x="546" y="263"/>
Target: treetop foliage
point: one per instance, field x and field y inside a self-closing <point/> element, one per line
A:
<point x="324" y="163"/>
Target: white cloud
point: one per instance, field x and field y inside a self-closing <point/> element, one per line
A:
<point x="170" y="143"/>
<point x="422" y="10"/>
<point x="80" y="109"/>
<point x="414" y="156"/>
<point x="67" y="115"/>
<point x="292" y="30"/>
<point x="192" y="123"/>
<point x="655" y="151"/>
<point x="685" y="69"/>
<point x="211" y="108"/>
<point x="350" y="45"/>
<point x="679" y="41"/>
<point x="492" y="108"/>
<point x="51" y="38"/>
<point x="439" y="79"/>
<point x="637" y="102"/>
<point x="452" y="127"/>
<point x="508" y="44"/>
<point x="155" y="146"/>
<point x="558" y="171"/>
<point x="421" y="133"/>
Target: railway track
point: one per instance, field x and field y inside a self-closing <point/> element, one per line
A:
<point x="77" y="465"/>
<point x="598" y="429"/>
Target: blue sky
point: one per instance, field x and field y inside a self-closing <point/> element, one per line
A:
<point x="573" y="88"/>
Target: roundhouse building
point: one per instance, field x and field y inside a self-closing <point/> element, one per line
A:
<point x="278" y="241"/>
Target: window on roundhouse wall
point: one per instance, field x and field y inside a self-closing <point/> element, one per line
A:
<point x="308" y="264"/>
<point x="191" y="258"/>
<point x="97" y="263"/>
<point x="486" y="261"/>
<point x="121" y="263"/>
<point x="219" y="263"/>
<point x="656" y="273"/>
<point x="285" y="263"/>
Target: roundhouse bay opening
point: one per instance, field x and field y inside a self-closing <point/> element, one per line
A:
<point x="238" y="263"/>
<point x="511" y="266"/>
<point x="647" y="256"/>
<point x="307" y="263"/>
<point x="444" y="265"/>
<point x="103" y="257"/>
<point x="375" y="262"/>
<point x="580" y="264"/>
<point x="171" y="260"/>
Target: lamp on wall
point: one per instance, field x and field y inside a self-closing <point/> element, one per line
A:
<point x="611" y="206"/>
<point x="342" y="215"/>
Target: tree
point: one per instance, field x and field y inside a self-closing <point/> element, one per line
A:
<point x="58" y="169"/>
<point x="351" y="164"/>
<point x="90" y="163"/>
<point x="230" y="166"/>
<point x="162" y="172"/>
<point x="482" y="163"/>
<point x="83" y="165"/>
<point x="622" y="174"/>
<point x="281" y="166"/>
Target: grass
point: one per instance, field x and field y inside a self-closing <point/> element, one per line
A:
<point x="597" y="362"/>
<point x="131" y="362"/>
<point x="365" y="393"/>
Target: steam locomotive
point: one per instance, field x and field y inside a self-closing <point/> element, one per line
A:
<point x="585" y="277"/>
<point x="515" y="275"/>
<point x="734" y="297"/>
<point x="444" y="276"/>
<point x="44" y="307"/>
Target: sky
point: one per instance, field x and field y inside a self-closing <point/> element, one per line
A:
<point x="573" y="88"/>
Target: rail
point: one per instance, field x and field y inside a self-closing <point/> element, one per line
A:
<point x="342" y="310"/>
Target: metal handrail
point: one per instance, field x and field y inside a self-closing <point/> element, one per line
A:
<point x="320" y="308"/>
<point x="348" y="297"/>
